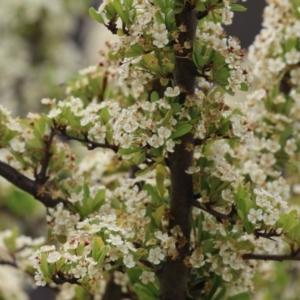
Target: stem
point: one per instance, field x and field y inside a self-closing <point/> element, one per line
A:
<point x="175" y="273"/>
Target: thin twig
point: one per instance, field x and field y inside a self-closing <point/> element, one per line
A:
<point x="219" y="216"/>
<point x="90" y="144"/>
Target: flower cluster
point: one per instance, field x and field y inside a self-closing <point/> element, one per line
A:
<point x="226" y="68"/>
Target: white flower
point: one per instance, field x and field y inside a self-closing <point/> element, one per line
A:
<point x="79" y="271"/>
<point x="159" y="29"/>
<point x="47" y="248"/>
<point x="197" y="258"/>
<point x="125" y="140"/>
<point x="276" y="65"/>
<point x="40" y="280"/>
<point x="155" y="141"/>
<point x="160" y="40"/>
<point x="272" y="145"/>
<point x="17" y="145"/>
<point x="155" y="256"/>
<point x="120" y="278"/>
<point x="170" y="145"/>
<point x="192" y="170"/>
<point x="98" y="131"/>
<point x="54" y="112"/>
<point x="172" y="92"/>
<point x="53" y="257"/>
<point x="290" y="146"/>
<point x="227" y="16"/>
<point x="255" y="215"/>
<point x="295" y="76"/>
<point x="164" y="132"/>
<point x="147" y="277"/>
<point x="115" y="240"/>
<point x="46" y="101"/>
<point x="226" y="275"/>
<point x="76" y="197"/>
<point x="129" y="261"/>
<point x="88" y="118"/>
<point x="270" y="219"/>
<point x="239" y="125"/>
<point x="292" y="57"/>
<point x="144" y="18"/>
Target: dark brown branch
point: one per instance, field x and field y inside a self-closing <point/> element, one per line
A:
<point x="60" y="278"/>
<point x="202" y="14"/>
<point x="28" y="185"/>
<point x="175" y="272"/>
<point x="41" y="177"/>
<point x="90" y="144"/>
<point x="8" y="263"/>
<point x="274" y="257"/>
<point x="266" y="234"/>
<point x="219" y="216"/>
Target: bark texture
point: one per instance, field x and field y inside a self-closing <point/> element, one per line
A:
<point x="175" y="273"/>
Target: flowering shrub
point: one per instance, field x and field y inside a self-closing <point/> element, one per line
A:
<point x="180" y="193"/>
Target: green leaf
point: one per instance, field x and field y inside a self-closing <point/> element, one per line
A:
<point x="170" y="18"/>
<point x="249" y="227"/>
<point x="96" y="16"/>
<point x="102" y="253"/>
<point x="237" y="7"/>
<point x="167" y="117"/>
<point x="176" y="107"/>
<point x="219" y="295"/>
<point x="139" y="253"/>
<point x="181" y="130"/>
<point x="241" y="296"/>
<point x="43" y="266"/>
<point x="134" y="274"/>
<point x="144" y="292"/>
<point x="62" y="239"/>
<point x="221" y="76"/>
<point x="153" y="193"/>
<point x="215" y="285"/>
<point x="200" y="6"/>
<point x="160" y="4"/>
<point x="245" y="245"/>
<point x="154" y="96"/>
<point x="159" y="17"/>
<point x="105" y="116"/>
<point x="135" y="50"/>
<point x="139" y="158"/>
<point x="99" y="199"/>
<point x="157" y="215"/>
<point x="97" y="245"/>
<point x="120" y="11"/>
<point x="145" y="171"/>
<point x="86" y="190"/>
<point x="160" y="179"/>
<point x="244" y="87"/>
<point x="10" y="241"/>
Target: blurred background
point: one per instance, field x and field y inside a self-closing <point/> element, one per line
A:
<point x="44" y="44"/>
